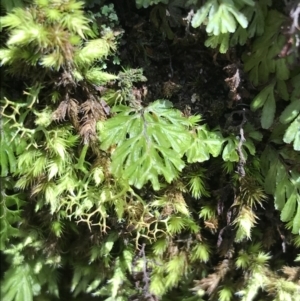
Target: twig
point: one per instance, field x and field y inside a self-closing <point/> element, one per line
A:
<point x="242" y="161"/>
<point x="145" y="274"/>
<point x="188" y="20"/>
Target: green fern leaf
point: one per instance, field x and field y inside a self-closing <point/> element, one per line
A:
<point x="290" y="112"/>
<point x="127" y="258"/>
<point x="268" y="112"/>
<point x="289" y="208"/>
<point x="201" y="14"/>
<point x="229" y="151"/>
<point x="221" y="40"/>
<point x="282" y="189"/>
<point x="117" y="279"/>
<point x="261" y="97"/>
<point x="293" y="134"/>
<point x="94" y="285"/>
<point x="281" y="87"/>
<point x="240" y="36"/>
<point x="257" y="24"/>
<point x="150" y="142"/>
<point x="296" y="220"/>
<point x="146" y="3"/>
<point x="77" y="275"/>
<point x="8" y="161"/>
<point x="4" y="162"/>
<point x="18" y="284"/>
<point x="282" y="70"/>
<point x="295" y="95"/>
<point x="205" y="143"/>
<point x="261" y="62"/>
<point x="221" y="17"/>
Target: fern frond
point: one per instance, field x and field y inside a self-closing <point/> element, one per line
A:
<point x="204" y="144"/>
<point x="19" y="283"/>
<point x="10" y="213"/>
<point x="148" y="143"/>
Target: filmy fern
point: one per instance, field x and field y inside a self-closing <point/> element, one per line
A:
<point x="284" y="185"/>
<point x="148" y="142"/>
<point x="144" y="209"/>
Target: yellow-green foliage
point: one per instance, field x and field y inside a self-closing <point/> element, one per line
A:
<point x="140" y="201"/>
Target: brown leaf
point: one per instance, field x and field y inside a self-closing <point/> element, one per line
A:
<point x="293" y="273"/>
<point x="92" y="109"/>
<point x="60" y="113"/>
<point x="73" y="111"/>
<point x="88" y="130"/>
<point x="211" y="282"/>
<point x="233" y="81"/>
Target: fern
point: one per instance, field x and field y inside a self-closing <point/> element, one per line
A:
<point x="291" y="114"/>
<point x="221" y="18"/>
<point x="285" y="188"/>
<point x="150" y="206"/>
<point x="7" y="149"/>
<point x="204" y="144"/>
<point x="146" y="3"/>
<point x="21" y="284"/>
<point x="268" y="46"/>
<point x="10" y="212"/>
<point x="256" y="17"/>
<point x="148" y="143"/>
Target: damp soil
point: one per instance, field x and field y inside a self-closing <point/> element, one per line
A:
<point x="195" y="78"/>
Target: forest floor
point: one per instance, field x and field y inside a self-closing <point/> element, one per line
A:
<point x="179" y="67"/>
